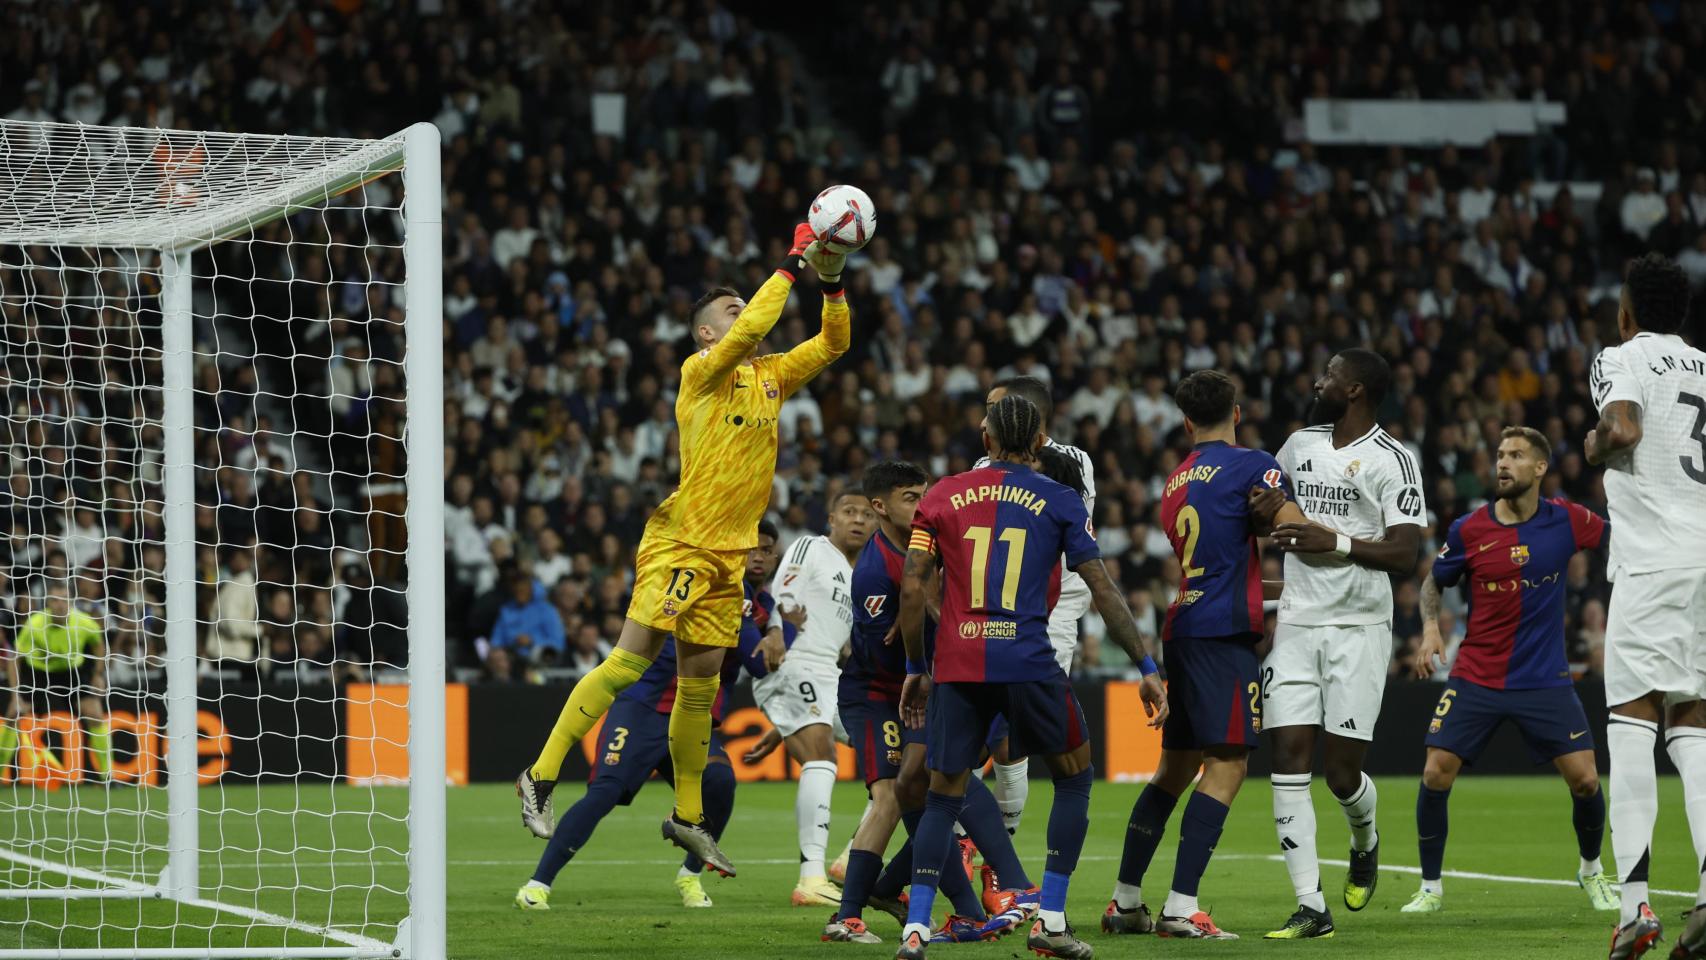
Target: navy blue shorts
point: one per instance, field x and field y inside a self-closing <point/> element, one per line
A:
<point x="998" y="731"/>
<point x="1044" y="717"/>
<point x="636" y="744"/>
<point x="1551" y="720"/>
<point x="1214" y="692"/>
<point x="878" y="736"/>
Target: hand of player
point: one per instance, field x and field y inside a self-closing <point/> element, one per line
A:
<point x="765" y="746"/>
<point x="773" y="650"/>
<point x="914" y="697"/>
<point x="1265" y="503"/>
<point x="828" y="265"/>
<point x="1432" y="646"/>
<point x="1305" y="538"/>
<point x="803" y="238"/>
<point x="1154" y="694"/>
<point x="794" y="615"/>
<point x="894" y="631"/>
<point x="1590" y="447"/>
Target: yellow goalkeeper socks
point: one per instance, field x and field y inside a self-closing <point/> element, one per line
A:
<point x="591" y="697"/>
<point x="101" y="746"/>
<point x="690" y="741"/>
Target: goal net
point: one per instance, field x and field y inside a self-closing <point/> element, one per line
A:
<point x="221" y="613"/>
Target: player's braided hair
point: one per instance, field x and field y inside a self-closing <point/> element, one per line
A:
<point x="1658" y="293"/>
<point x="1014" y="425"/>
<point x="768" y="529"/>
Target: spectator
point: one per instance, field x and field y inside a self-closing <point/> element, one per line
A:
<point x="527" y="624"/>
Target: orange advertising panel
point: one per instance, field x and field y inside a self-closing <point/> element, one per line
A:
<point x="1133" y="748"/>
<point x="376" y="724"/>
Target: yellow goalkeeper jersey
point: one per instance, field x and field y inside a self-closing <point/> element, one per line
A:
<point x="727" y="414"/>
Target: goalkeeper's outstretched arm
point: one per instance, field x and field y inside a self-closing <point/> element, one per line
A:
<point x="709" y="369"/>
<point x="807" y="360"/>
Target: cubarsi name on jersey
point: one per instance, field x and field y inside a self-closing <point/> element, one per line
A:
<point x="1199" y="472"/>
<point x="1002" y="492"/>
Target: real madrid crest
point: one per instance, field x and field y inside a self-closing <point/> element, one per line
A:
<point x="1352" y="468"/>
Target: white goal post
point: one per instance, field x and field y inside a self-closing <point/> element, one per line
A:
<point x="260" y="317"/>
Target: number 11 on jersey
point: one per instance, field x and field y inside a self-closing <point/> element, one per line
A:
<point x="981" y="538"/>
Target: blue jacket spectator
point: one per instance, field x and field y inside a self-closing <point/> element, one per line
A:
<point x="528" y="623"/>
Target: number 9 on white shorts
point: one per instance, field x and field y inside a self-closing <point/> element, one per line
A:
<point x="797" y="695"/>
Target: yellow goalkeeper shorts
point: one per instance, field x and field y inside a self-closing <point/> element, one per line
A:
<point x="689" y="591"/>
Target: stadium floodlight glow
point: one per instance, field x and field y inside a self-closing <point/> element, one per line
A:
<point x="149" y="280"/>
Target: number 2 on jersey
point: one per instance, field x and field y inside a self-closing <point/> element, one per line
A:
<point x="980" y="538"/>
<point x="1189" y="527"/>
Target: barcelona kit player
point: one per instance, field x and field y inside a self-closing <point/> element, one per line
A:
<point x="1214" y="682"/>
<point x="687" y="579"/>
<point x="1510" y="666"/>
<point x="890" y="754"/>
<point x="635" y="743"/>
<point x="997" y="535"/>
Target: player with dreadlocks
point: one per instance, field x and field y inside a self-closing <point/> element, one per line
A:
<point x="998" y="534"/>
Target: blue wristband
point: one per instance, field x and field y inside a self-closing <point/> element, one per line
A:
<point x="1148" y="666"/>
<point x="913" y="666"/>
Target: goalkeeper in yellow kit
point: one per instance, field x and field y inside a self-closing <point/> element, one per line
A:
<point x="692" y="559"/>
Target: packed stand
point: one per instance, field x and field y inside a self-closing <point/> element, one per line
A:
<point x="1108" y="199"/>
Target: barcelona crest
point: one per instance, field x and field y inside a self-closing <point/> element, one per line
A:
<point x="1519" y="554"/>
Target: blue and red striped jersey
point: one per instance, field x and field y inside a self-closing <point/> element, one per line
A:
<point x="1515" y="638"/>
<point x="1205" y="510"/>
<point x="999" y="533"/>
<point x="656" y="687"/>
<point x="876" y="669"/>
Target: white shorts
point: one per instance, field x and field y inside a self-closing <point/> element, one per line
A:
<point x="798" y="694"/>
<point x="1063" y="626"/>
<point x="1654" y="636"/>
<point x="1327" y="677"/>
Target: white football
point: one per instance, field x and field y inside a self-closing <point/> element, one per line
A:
<point x="843" y="218"/>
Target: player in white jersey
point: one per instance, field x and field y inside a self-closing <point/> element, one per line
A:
<point x="799" y="693"/>
<point x="1651" y="438"/>
<point x="1012" y="774"/>
<point x="1361" y="492"/>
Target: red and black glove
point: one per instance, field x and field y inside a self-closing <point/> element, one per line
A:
<point x="792" y="263"/>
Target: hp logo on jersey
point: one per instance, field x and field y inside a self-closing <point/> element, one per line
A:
<point x="1410" y="502"/>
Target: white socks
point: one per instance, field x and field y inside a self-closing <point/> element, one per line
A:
<point x="811" y="815"/>
<point x="1179" y="905"/>
<point x="1294" y="820"/>
<point x="1127" y="897"/>
<point x="1012" y="787"/>
<point x="1434" y="886"/>
<point x="1591" y="867"/>
<point x="1359" y="813"/>
<point x="1054" y="921"/>
<point x="1634" y="799"/>
<point x="1687" y="749"/>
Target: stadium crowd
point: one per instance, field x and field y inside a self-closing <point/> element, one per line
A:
<point x="1108" y="196"/>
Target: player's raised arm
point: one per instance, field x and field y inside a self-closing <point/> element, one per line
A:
<point x="1616" y="393"/>
<point x="706" y="371"/>
<point x="915" y="690"/>
<point x="798" y="366"/>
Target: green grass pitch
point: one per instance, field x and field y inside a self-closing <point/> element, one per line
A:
<point x="616" y="898"/>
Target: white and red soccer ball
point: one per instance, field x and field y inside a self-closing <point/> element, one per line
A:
<point x="843" y="218"/>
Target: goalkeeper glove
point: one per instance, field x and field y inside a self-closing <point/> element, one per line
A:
<point x="828" y="265"/>
<point x="803" y="238"/>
